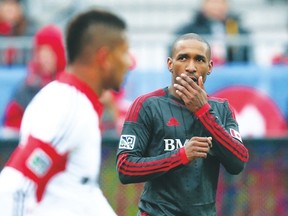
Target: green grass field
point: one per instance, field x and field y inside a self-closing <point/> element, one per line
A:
<point x="123" y="198"/>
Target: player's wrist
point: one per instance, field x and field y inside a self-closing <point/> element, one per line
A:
<point x="205" y="108"/>
<point x="183" y="156"/>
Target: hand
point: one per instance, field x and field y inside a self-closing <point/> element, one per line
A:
<point x="194" y="96"/>
<point x="198" y="147"/>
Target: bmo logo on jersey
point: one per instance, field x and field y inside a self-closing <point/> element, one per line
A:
<point x="127" y="142"/>
<point x="172" y="144"/>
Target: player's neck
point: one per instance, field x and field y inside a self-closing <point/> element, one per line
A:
<point x="87" y="75"/>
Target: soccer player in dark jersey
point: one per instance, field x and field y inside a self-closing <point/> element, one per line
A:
<point x="175" y="139"/>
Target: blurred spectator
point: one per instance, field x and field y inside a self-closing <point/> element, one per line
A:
<point x="48" y="59"/>
<point x="281" y="58"/>
<point x="114" y="113"/>
<point x="215" y="21"/>
<point x="12" y="23"/>
<point x="12" y="19"/>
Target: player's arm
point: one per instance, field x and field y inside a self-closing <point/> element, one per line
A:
<point x="134" y="169"/>
<point x="134" y="163"/>
<point x="227" y="143"/>
<point x="29" y="168"/>
<point x="230" y="151"/>
<point x="36" y="160"/>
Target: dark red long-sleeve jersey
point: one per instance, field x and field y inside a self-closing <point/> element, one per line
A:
<point x="151" y="150"/>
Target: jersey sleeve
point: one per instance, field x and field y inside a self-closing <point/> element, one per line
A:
<point x="47" y="117"/>
<point x="134" y="164"/>
<point x="37" y="158"/>
<point x="227" y="142"/>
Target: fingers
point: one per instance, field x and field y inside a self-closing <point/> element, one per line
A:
<point x="198" y="147"/>
<point x="202" y="141"/>
<point x="186" y="87"/>
<point x="209" y="140"/>
<point x="188" y="90"/>
<point x="187" y="82"/>
<point x="201" y="152"/>
<point x="201" y="83"/>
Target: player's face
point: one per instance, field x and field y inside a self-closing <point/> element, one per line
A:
<point x="120" y="61"/>
<point x="191" y="57"/>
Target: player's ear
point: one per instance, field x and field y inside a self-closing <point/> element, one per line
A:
<point x="210" y="66"/>
<point x="102" y="57"/>
<point x="169" y="64"/>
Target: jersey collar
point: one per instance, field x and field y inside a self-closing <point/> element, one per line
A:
<point x="72" y="80"/>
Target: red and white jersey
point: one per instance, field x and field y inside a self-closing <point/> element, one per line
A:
<point x="55" y="168"/>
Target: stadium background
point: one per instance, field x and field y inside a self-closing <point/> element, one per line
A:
<point x="262" y="189"/>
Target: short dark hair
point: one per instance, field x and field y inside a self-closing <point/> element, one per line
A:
<point x="190" y="36"/>
<point x="79" y="34"/>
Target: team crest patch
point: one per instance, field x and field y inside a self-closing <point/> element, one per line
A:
<point x="127" y="142"/>
<point x="235" y="134"/>
<point x="39" y="162"/>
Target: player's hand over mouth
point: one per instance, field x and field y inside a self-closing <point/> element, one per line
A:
<point x="193" y="94"/>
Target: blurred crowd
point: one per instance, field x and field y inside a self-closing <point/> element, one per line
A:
<point x="222" y="27"/>
<point x="26" y="17"/>
<point x="215" y="19"/>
